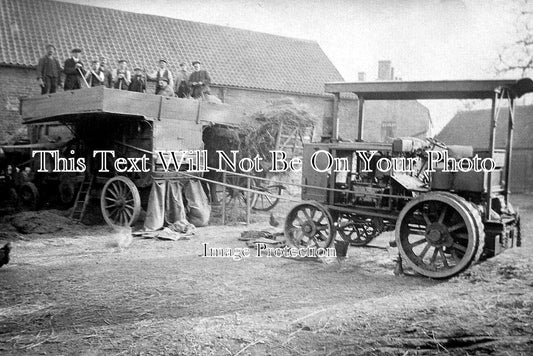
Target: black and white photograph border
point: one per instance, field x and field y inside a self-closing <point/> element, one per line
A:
<point x="266" y="177"/>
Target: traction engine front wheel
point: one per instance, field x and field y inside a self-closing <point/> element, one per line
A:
<point x="439" y="235"/>
<point x="310" y="225"/>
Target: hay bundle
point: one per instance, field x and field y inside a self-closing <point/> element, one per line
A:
<point x="267" y="127"/>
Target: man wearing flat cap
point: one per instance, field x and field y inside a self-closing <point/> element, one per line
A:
<point x="95" y="75"/>
<point x="121" y="76"/>
<point x="161" y="73"/>
<point x="138" y="83"/>
<point x="182" y="82"/>
<point x="199" y="81"/>
<point x="49" y="71"/>
<point x="73" y="69"/>
<point x="108" y="75"/>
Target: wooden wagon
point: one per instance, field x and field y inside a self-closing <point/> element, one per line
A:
<point x="133" y="125"/>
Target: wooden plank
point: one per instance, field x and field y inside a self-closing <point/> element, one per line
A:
<point x="131" y="103"/>
<point x="67" y="105"/>
<point x="62" y="103"/>
<point x="175" y="135"/>
<point x="179" y="109"/>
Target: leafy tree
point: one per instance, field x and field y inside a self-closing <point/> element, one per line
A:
<point x="517" y="57"/>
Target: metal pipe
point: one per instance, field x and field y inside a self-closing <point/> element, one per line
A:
<point x="509" y="148"/>
<point x="224" y="199"/>
<point x="248" y="204"/>
<point x="360" y="121"/>
<point x="492" y="143"/>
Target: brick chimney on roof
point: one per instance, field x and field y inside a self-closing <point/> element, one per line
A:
<point x="361" y="76"/>
<point x="385" y="70"/>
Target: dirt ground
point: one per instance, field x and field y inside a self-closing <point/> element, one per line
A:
<point x="68" y="292"/>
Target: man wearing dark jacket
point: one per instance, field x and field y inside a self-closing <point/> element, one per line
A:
<point x="73" y="69"/>
<point x="138" y="83"/>
<point x="199" y="81"/>
<point x="161" y="73"/>
<point x="182" y="87"/>
<point x="108" y="76"/>
<point x="49" y="71"/>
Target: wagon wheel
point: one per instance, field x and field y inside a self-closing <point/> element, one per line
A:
<point x="120" y="202"/>
<point x="234" y="197"/>
<point x="439" y="235"/>
<point x="265" y="202"/>
<point x="309" y="225"/>
<point x="358" y="231"/>
<point x="29" y="195"/>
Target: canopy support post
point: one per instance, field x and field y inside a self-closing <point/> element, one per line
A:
<point x="360" y="121"/>
<point x="335" y="118"/>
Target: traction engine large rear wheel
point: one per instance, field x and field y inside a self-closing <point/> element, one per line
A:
<point x="310" y="225"/>
<point x="439" y="235"/>
<point x="120" y="202"/>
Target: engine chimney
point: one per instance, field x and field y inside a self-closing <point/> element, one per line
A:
<point x="361" y="76"/>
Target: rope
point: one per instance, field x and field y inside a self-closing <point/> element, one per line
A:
<point x="310" y="186"/>
<point x="241" y="188"/>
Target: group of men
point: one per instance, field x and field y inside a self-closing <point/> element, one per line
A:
<point x="77" y="76"/>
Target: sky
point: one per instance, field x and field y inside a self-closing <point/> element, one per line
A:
<point x="424" y="39"/>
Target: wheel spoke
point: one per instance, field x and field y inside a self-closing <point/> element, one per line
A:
<point x="306" y="213"/>
<point x="459" y="247"/>
<point x="419" y="242"/>
<point x="113" y="193"/>
<point x="461" y="236"/>
<point x="129" y="214"/>
<point x="118" y="189"/>
<point x="456" y="258"/>
<point x="113" y="212"/>
<point x="442" y="214"/>
<point x="298" y="236"/>
<point x="434" y="257"/>
<point x="322" y="235"/>
<point x="456" y="226"/>
<point x="322" y="227"/>
<point x="426" y="219"/>
<point x="424" y="251"/>
<point x="444" y="260"/>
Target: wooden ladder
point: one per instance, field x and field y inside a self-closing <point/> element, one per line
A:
<point x="82" y="198"/>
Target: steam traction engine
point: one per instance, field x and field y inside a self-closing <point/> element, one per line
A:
<point x="443" y="220"/>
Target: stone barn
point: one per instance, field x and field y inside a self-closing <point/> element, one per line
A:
<point x="472" y="128"/>
<point x="249" y="69"/>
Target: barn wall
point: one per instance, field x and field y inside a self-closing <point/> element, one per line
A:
<point x="16" y="82"/>
<point x="252" y="101"/>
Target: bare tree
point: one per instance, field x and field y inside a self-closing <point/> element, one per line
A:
<point x="517" y="57"/>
